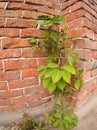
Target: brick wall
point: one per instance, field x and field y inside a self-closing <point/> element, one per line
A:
<point x="82" y="19"/>
<point x="19" y="85"/>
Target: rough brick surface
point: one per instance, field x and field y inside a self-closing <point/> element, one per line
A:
<point x="19" y="84"/>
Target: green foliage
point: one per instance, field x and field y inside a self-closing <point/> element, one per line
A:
<point x="30" y="124"/>
<point x="60" y="78"/>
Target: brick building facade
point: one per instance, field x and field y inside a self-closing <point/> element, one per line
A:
<point x="20" y="86"/>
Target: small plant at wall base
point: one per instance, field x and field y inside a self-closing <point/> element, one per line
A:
<point x="61" y="75"/>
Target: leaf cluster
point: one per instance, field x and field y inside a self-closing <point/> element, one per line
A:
<point x="59" y="77"/>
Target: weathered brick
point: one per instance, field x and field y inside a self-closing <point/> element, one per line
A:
<point x="9" y="32"/>
<point x="15" y="43"/>
<point x="14" y="5"/>
<point x="41" y="2"/>
<point x="4" y="102"/>
<point x="3" y="5"/>
<point x="29" y="73"/>
<point x="29" y="7"/>
<point x="30" y="33"/>
<point x="10" y="53"/>
<point x="87" y="75"/>
<point x="20" y="23"/>
<point x="19" y="64"/>
<point x="26" y="53"/>
<point x="11" y="93"/>
<point x="2" y="22"/>
<point x="46" y="10"/>
<point x="3" y="86"/>
<point x="9" y="75"/>
<point x="23" y="83"/>
<point x="10" y="13"/>
<point x="30" y="14"/>
<point x="1" y="65"/>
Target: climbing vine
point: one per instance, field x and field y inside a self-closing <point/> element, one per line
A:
<point x="60" y="76"/>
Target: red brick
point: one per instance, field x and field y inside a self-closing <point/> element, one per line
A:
<point x="10" y="53"/>
<point x="21" y="23"/>
<point x="26" y="53"/>
<point x="76" y="14"/>
<point x="38" y="102"/>
<point x="94" y="72"/>
<point x="1" y="65"/>
<point x="41" y="2"/>
<point x="2" y="22"/>
<point x="15" y="43"/>
<point x="9" y="75"/>
<point x="46" y="10"/>
<point x="23" y="83"/>
<point x="16" y="0"/>
<point x="3" y="86"/>
<point x="29" y="73"/>
<point x="77" y="33"/>
<point x="33" y="90"/>
<point x="89" y="44"/>
<point x="4" y="102"/>
<point x="95" y="55"/>
<point x="19" y="64"/>
<point x="67" y="4"/>
<point x="30" y="14"/>
<point x="12" y="108"/>
<point x="42" y="61"/>
<point x="95" y="37"/>
<point x="9" y="32"/>
<point x="87" y="75"/>
<point x="14" y="5"/>
<point x="3" y="5"/>
<point x="30" y="32"/>
<point x="10" y="13"/>
<point x="88" y="54"/>
<point x="11" y="94"/>
<point x="76" y="23"/>
<point x="29" y="7"/>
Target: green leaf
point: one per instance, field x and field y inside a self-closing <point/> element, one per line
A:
<point x="66" y="76"/>
<point x="49" y="72"/>
<point x="56" y="76"/>
<point x="70" y="69"/>
<point x="42" y="67"/>
<point x="46" y="82"/>
<point x="41" y="73"/>
<point x="78" y="84"/>
<point x="69" y="107"/>
<point x="32" y="40"/>
<point x="61" y="84"/>
<point x="52" y="65"/>
<point x="58" y="106"/>
<point x="51" y="87"/>
<point x="70" y="60"/>
<point x="56" y="123"/>
<point x="33" y="48"/>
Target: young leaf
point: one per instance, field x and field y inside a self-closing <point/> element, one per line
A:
<point x="70" y="69"/>
<point x="66" y="76"/>
<point x="42" y="67"/>
<point x="46" y="82"/>
<point x="51" y="87"/>
<point x="32" y="40"/>
<point x="33" y="48"/>
<point x="52" y="65"/>
<point x="49" y="72"/>
<point x="58" y="106"/>
<point x="56" y="76"/>
<point x="78" y="84"/>
<point x="61" y="84"/>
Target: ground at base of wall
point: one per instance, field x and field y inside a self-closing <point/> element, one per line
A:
<point x="89" y="122"/>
